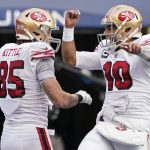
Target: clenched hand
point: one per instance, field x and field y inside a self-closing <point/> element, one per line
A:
<point x="71" y="18"/>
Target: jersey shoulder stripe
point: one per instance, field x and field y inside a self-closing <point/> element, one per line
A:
<point x="41" y="50"/>
<point x="42" y="53"/>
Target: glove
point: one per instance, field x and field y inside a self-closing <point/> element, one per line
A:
<point x="84" y="97"/>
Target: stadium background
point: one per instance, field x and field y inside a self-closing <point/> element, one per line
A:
<point x="71" y="125"/>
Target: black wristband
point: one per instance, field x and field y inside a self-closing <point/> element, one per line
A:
<point x="80" y="98"/>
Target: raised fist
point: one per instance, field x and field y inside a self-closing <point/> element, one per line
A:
<point x="71" y="18"/>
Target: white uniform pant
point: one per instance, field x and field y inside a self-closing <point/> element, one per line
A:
<point x="25" y="137"/>
<point x="93" y="140"/>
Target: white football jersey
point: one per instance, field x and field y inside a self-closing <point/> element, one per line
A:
<point x="22" y="98"/>
<point x="127" y="79"/>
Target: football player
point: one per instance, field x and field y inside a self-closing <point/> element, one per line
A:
<point x="28" y="83"/>
<point x="123" y="55"/>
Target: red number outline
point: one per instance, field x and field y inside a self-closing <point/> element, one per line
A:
<point x="112" y="74"/>
<point x="11" y="79"/>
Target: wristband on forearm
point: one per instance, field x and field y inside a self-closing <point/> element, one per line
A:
<point x="68" y="34"/>
<point x="80" y="98"/>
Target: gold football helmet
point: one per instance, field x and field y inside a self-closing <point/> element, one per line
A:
<point x="127" y="22"/>
<point x="36" y="24"/>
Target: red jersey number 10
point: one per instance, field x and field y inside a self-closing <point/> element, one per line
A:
<point x="118" y="75"/>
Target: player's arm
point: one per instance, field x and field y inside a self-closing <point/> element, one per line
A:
<point x="69" y="52"/>
<point x="68" y="44"/>
<point x="70" y="55"/>
<point x="60" y="98"/>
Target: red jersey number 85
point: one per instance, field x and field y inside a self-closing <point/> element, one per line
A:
<point x="7" y="76"/>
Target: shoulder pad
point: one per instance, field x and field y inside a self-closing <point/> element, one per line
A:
<point x="42" y="50"/>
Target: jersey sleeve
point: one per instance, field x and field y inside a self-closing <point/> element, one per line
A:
<point x="42" y="60"/>
<point x="88" y="60"/>
<point x="45" y="69"/>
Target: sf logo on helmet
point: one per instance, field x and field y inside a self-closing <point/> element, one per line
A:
<point x="39" y="17"/>
<point x="126" y="15"/>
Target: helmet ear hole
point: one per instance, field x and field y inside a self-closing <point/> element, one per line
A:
<point x="127" y="30"/>
<point x="27" y="14"/>
<point x="35" y="33"/>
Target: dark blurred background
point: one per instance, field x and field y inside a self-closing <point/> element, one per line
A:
<point x="71" y="125"/>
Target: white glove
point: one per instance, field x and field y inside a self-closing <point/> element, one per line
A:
<point x="86" y="98"/>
